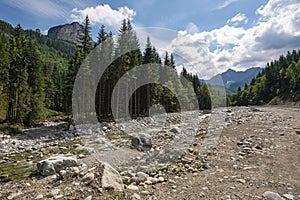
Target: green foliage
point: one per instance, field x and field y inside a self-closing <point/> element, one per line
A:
<point x="280" y="79"/>
<point x="31" y="75"/>
<point x="37" y="75"/>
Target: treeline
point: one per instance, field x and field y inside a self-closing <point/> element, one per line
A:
<point x="37" y="79"/>
<point x="123" y="56"/>
<point x="280" y="80"/>
<point x="21" y="78"/>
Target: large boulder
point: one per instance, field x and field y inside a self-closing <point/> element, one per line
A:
<point x="141" y="141"/>
<point x="111" y="178"/>
<point x="56" y="163"/>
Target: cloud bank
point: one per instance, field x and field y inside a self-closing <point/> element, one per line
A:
<point x="232" y="46"/>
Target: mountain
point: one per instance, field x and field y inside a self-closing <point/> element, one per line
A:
<point x="234" y="79"/>
<point x="68" y="32"/>
<point x="50" y="48"/>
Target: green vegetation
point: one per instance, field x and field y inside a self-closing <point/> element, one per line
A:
<point x="279" y="81"/>
<point x="37" y="75"/>
<point x="32" y="72"/>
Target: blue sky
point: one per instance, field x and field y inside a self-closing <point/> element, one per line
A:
<point x="213" y="35"/>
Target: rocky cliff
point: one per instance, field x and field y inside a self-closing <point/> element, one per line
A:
<point x="69" y="32"/>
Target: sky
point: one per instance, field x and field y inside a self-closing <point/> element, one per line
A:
<point x="207" y="36"/>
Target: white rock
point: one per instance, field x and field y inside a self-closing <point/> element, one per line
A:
<point x="272" y="196"/>
<point x="142" y="175"/>
<point x="135" y="196"/>
<point x="40" y="197"/>
<point x="133" y="187"/>
<point x="55" y="192"/>
<point x="111" y="178"/>
<point x="288" y="196"/>
<point x="88" y="177"/>
<point x="89" y="198"/>
<point x="54" y="164"/>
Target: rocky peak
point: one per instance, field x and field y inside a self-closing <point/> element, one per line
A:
<point x="69" y="32"/>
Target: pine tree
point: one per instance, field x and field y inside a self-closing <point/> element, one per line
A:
<point x="18" y="91"/>
<point x="35" y="82"/>
<point x="4" y="66"/>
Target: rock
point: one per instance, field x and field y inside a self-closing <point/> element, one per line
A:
<point x="55" y="192"/>
<point x="55" y="164"/>
<point x="288" y="196"/>
<point x="241" y="181"/>
<point x="272" y="196"/>
<point x="71" y="128"/>
<point x="89" y="198"/>
<point x="89" y="177"/>
<point x="141" y="140"/>
<point x="59" y="196"/>
<point x="40" y="196"/>
<point x="135" y="196"/>
<point x="69" y="32"/>
<point x="138" y="180"/>
<point x="111" y="179"/>
<point x="142" y="175"/>
<point x="133" y="187"/>
<point x="145" y="192"/>
<point x="175" y="130"/>
<point x="153" y="180"/>
<point x="161" y="179"/>
<point x="14" y="195"/>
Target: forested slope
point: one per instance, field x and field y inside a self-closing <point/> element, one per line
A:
<point x="278" y="83"/>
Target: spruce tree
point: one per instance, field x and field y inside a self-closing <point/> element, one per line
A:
<point x="18" y="90"/>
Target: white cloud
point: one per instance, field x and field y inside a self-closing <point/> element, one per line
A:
<point x="226" y="3"/>
<point x="103" y="14"/>
<point x="237" y="19"/>
<point x="209" y="53"/>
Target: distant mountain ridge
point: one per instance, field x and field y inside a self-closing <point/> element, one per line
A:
<point x="68" y="32"/>
<point x="234" y="79"/>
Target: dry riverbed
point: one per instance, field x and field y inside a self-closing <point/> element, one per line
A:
<point x="257" y="156"/>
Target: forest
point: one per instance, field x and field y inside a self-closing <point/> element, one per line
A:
<point x="279" y="82"/>
<point x="37" y="74"/>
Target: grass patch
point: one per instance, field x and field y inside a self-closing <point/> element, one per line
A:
<point x="177" y="170"/>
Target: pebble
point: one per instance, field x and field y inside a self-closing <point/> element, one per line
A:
<point x="89" y="198"/>
<point x="241" y="181"/>
<point x="40" y="197"/>
<point x="135" y="196"/>
<point x="133" y="187"/>
<point x="145" y="192"/>
<point x="288" y="196"/>
<point x="88" y="177"/>
<point x="55" y="192"/>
